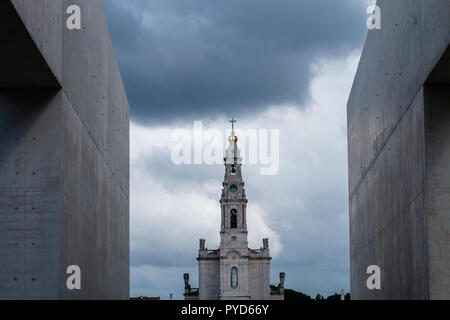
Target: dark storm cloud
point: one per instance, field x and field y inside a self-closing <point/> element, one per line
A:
<point x="199" y="58"/>
<point x="170" y="175"/>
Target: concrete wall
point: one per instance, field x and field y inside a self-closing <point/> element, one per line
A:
<point x="30" y="193"/>
<point x="389" y="174"/>
<point x="437" y="205"/>
<point x="70" y="147"/>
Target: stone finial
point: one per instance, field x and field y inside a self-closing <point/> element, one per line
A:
<point x="187" y="286"/>
<point x="265" y="243"/>
<point x="281" y="285"/>
<point x="342" y="294"/>
<point x="202" y="244"/>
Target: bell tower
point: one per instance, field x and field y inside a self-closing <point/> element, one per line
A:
<point x="233" y="235"/>
<point x="233" y="200"/>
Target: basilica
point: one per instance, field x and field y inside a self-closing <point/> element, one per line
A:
<point x="234" y="271"/>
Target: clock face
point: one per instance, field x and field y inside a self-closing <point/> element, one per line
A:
<point x="233" y="188"/>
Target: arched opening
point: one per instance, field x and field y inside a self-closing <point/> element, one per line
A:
<point x="233" y="221"/>
<point x="234" y="277"/>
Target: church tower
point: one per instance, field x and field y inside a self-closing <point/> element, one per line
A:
<point x="233" y="271"/>
<point x="233" y="233"/>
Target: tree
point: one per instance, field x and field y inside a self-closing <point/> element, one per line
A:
<point x="319" y="297"/>
<point x="335" y="296"/>
<point x="290" y="294"/>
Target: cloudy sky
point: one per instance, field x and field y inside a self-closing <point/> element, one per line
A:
<point x="285" y="64"/>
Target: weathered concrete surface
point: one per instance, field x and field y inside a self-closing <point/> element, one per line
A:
<point x="437" y="199"/>
<point x="30" y="193"/>
<point x="398" y="182"/>
<point x="64" y="157"/>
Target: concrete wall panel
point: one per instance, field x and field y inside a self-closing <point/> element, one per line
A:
<point x="103" y="211"/>
<point x="437" y="99"/>
<point x="391" y="223"/>
<point x="394" y="65"/>
<point x="30" y="193"/>
<point x="64" y="157"/>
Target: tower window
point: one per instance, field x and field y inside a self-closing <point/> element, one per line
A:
<point x="234" y="277"/>
<point x="233" y="169"/>
<point x="233" y="219"/>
